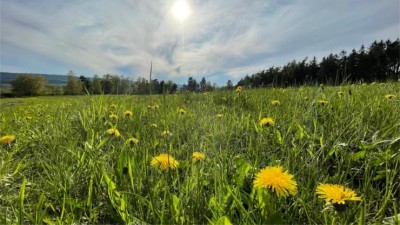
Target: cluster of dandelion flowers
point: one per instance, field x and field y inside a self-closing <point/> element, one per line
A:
<point x="164" y="162"/>
<point x="128" y="113"/>
<point x="275" y="179"/>
<point x="267" y="121"/>
<point x="198" y="156"/>
<point x="114" y="132"/>
<point x="336" y="193"/>
<point x="113" y="116"/>
<point x="390" y="96"/>
<point x="275" y="102"/>
<point x="7" y="139"/>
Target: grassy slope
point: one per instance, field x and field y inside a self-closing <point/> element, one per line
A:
<point x="63" y="151"/>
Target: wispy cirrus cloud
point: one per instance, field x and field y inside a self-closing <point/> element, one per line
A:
<point x="220" y="40"/>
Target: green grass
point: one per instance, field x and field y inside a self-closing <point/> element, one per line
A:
<point x="64" y="167"/>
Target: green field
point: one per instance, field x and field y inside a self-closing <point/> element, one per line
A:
<point x="66" y="166"/>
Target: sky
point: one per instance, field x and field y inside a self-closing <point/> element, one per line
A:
<point x="220" y="40"/>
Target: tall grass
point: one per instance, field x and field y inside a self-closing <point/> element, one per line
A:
<point x="64" y="167"/>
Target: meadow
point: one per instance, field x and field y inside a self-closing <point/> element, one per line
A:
<point x="98" y="159"/>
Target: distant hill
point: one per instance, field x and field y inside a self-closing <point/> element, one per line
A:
<point x="6" y="78"/>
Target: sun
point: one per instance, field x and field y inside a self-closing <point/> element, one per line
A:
<point x="181" y="10"/>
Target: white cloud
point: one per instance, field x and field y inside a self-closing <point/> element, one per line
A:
<point x="220" y="37"/>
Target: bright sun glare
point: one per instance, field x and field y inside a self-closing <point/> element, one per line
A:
<point x="181" y="10"/>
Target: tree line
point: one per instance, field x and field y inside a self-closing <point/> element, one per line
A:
<point x="380" y="62"/>
<point x="28" y="85"/>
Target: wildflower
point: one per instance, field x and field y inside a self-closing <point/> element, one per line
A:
<point x="340" y="93"/>
<point x="239" y="89"/>
<point x="322" y="102"/>
<point x="182" y="111"/>
<point x="113" y="116"/>
<point x="155" y="106"/>
<point x="206" y="93"/>
<point x="153" y="125"/>
<point x="132" y="141"/>
<point x="267" y="121"/>
<point x="198" y="156"/>
<point x="164" y="162"/>
<point x="128" y="113"/>
<point x="7" y="139"/>
<point x="273" y="177"/>
<point x="336" y="193"/>
<point x="114" y="132"/>
<point x="276" y="102"/>
<point x="390" y="96"/>
<point x="166" y="133"/>
<point x="219" y="115"/>
<point x="113" y="106"/>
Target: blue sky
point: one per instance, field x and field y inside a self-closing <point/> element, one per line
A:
<point x="221" y="39"/>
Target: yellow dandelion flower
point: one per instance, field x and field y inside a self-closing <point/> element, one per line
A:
<point x="340" y="93"/>
<point x="113" y="116"/>
<point x="322" y="102"/>
<point x="164" y="162"/>
<point x="7" y="139"/>
<point x="198" y="156"/>
<point x="128" y="113"/>
<point x="132" y="141"/>
<point x="336" y="193"/>
<point x="113" y="106"/>
<point x="390" y="96"/>
<point x="219" y="115"/>
<point x="239" y="89"/>
<point x="267" y="121"/>
<point x="114" y="132"/>
<point x="273" y="177"/>
<point x="275" y="102"/>
<point x="166" y="133"/>
<point x="182" y="111"/>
